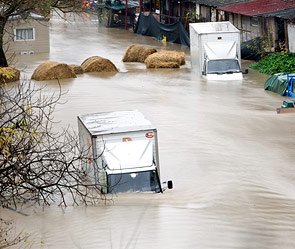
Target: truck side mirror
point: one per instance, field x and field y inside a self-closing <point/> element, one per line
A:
<point x="246" y="71"/>
<point x="203" y="73"/>
<point x="170" y="184"/>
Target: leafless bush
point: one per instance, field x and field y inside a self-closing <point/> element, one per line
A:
<point x="8" y="237"/>
<point x="37" y="163"/>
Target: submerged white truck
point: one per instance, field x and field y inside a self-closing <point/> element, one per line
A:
<point x="122" y="151"/>
<point x="215" y="50"/>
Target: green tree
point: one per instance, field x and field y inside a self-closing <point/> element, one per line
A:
<point x="22" y="8"/>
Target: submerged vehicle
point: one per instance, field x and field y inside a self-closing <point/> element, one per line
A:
<point x="122" y="151"/>
<point x="215" y="50"/>
<point x="287" y="106"/>
<point x="281" y="83"/>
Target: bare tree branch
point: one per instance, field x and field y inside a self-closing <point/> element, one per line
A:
<point x="7" y="236"/>
<point x="38" y="164"/>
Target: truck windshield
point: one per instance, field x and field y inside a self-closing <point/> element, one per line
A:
<point x="223" y="66"/>
<point x="134" y="182"/>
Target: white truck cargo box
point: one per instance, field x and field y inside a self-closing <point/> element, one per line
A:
<point x="122" y="151"/>
<point x="215" y="50"/>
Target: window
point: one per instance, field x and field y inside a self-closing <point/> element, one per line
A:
<point x="223" y="66"/>
<point x="24" y="34"/>
<point x="254" y="21"/>
<point x="144" y="181"/>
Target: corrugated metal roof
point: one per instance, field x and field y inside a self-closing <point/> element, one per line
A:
<point x="258" y="7"/>
<point x="288" y="14"/>
<point x="217" y="3"/>
<point x="30" y="15"/>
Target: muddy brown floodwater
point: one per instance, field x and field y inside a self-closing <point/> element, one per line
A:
<point x="230" y="156"/>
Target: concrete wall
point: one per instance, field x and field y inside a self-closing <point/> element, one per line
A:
<point x="272" y="33"/>
<point x="291" y="36"/>
<point x="40" y="44"/>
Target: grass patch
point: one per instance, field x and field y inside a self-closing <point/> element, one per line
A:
<point x="279" y="62"/>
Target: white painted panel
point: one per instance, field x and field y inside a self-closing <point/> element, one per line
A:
<point x="128" y="155"/>
<point x="291" y="37"/>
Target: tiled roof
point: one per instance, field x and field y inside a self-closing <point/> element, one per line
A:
<point x="259" y="7"/>
<point x="288" y="14"/>
<point x="217" y="3"/>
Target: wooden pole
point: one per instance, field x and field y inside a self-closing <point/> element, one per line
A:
<point x="140" y="6"/>
<point x="126" y="10"/>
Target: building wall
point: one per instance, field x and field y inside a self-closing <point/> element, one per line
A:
<point x="205" y="13"/>
<point x="291" y="36"/>
<point x="40" y="44"/>
<point x="250" y="27"/>
<point x="241" y="22"/>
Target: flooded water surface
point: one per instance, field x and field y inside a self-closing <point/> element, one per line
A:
<point x="229" y="154"/>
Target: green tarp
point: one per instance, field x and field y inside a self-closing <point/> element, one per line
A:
<point x="277" y="83"/>
<point x="150" y="26"/>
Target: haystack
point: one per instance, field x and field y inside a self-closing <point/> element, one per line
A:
<point x="165" y="59"/>
<point x="137" y="53"/>
<point x="8" y="74"/>
<point x="98" y="64"/>
<point x="51" y="70"/>
<point x="77" y="68"/>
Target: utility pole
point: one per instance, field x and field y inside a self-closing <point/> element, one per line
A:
<point x="126" y="11"/>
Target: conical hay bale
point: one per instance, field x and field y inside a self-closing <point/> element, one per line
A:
<point x="51" y="70"/>
<point x="9" y="74"/>
<point x="98" y="64"/>
<point x="77" y="68"/>
<point x="165" y="59"/>
<point x="138" y="53"/>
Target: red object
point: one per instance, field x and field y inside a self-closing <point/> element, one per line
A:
<point x="140" y="6"/>
<point x="256" y="7"/>
<point x="126" y="139"/>
<point x="149" y="134"/>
